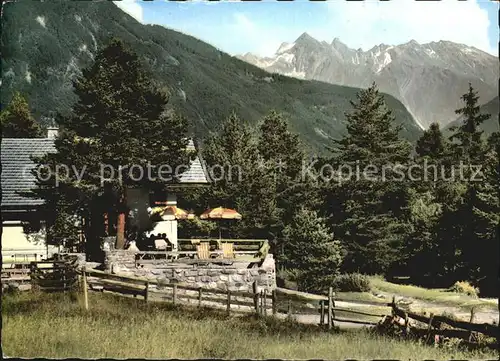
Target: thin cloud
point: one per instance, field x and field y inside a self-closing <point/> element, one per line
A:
<point x="368" y="23"/>
<point x="131" y="7"/>
<point x="259" y="39"/>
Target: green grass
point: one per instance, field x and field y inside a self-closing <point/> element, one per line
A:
<point x="358" y="296"/>
<point x="56" y="326"/>
<point x="437" y="295"/>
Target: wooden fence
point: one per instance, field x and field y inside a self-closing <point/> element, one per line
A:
<point x="282" y="301"/>
<point x="54" y="276"/>
<point x="436" y="325"/>
<point x="244" y="250"/>
<point x="265" y="302"/>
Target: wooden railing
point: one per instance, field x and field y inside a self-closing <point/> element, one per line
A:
<point x="245" y="250"/>
<point x="278" y="300"/>
<point x="54" y="276"/>
<point x="281" y="301"/>
<point x="461" y="329"/>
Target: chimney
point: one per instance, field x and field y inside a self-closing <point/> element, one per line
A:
<point x="52" y="132"/>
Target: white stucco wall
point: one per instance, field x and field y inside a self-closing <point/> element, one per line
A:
<point x="15" y="241"/>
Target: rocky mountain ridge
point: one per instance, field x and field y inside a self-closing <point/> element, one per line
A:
<point x="427" y="78"/>
<point x="46" y="45"/>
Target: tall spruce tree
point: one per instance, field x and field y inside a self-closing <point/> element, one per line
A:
<point x="432" y="143"/>
<point x="467" y="137"/>
<point x="312" y="253"/>
<point x="119" y="125"/>
<point x="284" y="154"/>
<point x="467" y="206"/>
<point x="371" y="211"/>
<point x="483" y="256"/>
<point x="426" y="204"/>
<point x="17" y="121"/>
<point x="240" y="179"/>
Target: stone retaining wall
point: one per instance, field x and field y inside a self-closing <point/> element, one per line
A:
<point x="235" y="277"/>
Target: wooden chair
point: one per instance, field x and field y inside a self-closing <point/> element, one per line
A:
<point x="228" y="250"/>
<point x="203" y="250"/>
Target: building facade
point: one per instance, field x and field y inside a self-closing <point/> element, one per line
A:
<point x="20" y="212"/>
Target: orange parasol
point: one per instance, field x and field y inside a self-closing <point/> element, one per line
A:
<point x="171" y="212"/>
<point x="220" y="213"/>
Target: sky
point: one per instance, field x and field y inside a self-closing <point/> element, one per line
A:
<point x="260" y="27"/>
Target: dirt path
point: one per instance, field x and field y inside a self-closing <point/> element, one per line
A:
<point x="314" y="320"/>
<point x="482" y="315"/>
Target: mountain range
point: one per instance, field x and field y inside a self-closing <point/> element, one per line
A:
<point x="428" y="79"/>
<point x="46" y="44"/>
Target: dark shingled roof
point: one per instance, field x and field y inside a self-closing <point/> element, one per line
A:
<point x="196" y="173"/>
<point x="16" y="166"/>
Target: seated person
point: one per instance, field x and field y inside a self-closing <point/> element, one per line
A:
<point x="163" y="243"/>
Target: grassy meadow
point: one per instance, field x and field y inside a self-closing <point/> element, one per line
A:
<point x="442" y="296"/>
<point x="56" y="326"/>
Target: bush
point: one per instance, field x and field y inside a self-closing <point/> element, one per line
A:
<point x="287" y="279"/>
<point x="464" y="287"/>
<point x="352" y="282"/>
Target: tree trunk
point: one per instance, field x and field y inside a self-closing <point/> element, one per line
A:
<point x="120" y="222"/>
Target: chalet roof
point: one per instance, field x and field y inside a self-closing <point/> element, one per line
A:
<point x="16" y="166"/>
<point x="196" y="174"/>
<point x="16" y="174"/>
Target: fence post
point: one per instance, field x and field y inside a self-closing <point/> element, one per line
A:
<point x="333" y="307"/>
<point x="174" y="294"/>
<point x="472" y="315"/>
<point x="228" y="305"/>
<point x="63" y="276"/>
<point x="85" y="291"/>
<point x="265" y="301"/>
<point x="322" y="313"/>
<point x="32" y="276"/>
<point x="275" y="303"/>
<point x="429" y="328"/>
<point x="407" y="325"/>
<point x="200" y="292"/>
<point x="261" y="303"/>
<point x="146" y="292"/>
<point x="255" y="297"/>
<point x="330" y="308"/>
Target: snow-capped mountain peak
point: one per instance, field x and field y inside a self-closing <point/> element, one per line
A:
<point x="408" y="71"/>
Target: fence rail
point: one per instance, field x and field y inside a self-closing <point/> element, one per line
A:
<point x="279" y="300"/>
<point x="263" y="302"/>
<point x="244" y="250"/>
<point x="437" y="321"/>
<point x="54" y="275"/>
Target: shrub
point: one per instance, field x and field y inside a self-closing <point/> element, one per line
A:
<point x="287" y="279"/>
<point x="352" y="282"/>
<point x="464" y="287"/>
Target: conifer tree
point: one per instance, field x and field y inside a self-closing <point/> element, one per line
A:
<point x="312" y="252"/>
<point x="467" y="205"/>
<point x="240" y="179"/>
<point x="17" y="121"/>
<point x="484" y="251"/>
<point x="432" y="143"/>
<point x="119" y="125"/>
<point x="466" y="138"/>
<point x="426" y="204"/>
<point x="371" y="211"/>
<point x="284" y="155"/>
